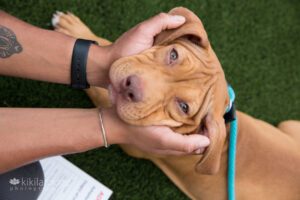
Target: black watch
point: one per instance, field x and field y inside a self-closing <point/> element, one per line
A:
<point x="78" y="64"/>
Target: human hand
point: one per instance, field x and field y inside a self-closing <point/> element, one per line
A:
<point x="153" y="139"/>
<point x="141" y="37"/>
<point x="134" y="41"/>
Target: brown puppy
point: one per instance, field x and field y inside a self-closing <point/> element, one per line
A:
<point x="180" y="83"/>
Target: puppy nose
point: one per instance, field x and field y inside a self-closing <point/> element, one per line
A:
<point x="132" y="88"/>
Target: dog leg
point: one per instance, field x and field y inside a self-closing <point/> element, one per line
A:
<point x="291" y="127"/>
<point x="71" y="25"/>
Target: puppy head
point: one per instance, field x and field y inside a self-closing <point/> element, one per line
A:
<point x="178" y="82"/>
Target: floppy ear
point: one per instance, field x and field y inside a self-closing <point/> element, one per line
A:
<point x="192" y="29"/>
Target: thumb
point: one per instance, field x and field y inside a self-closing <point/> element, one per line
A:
<point x="184" y="143"/>
<point x="160" y="22"/>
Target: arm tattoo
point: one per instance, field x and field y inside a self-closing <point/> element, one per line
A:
<point x="8" y="43"/>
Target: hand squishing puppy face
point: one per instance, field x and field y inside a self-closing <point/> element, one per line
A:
<point x="179" y="82"/>
<point x="173" y="82"/>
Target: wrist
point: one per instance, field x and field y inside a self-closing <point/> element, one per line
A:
<point x="98" y="65"/>
<point x="113" y="126"/>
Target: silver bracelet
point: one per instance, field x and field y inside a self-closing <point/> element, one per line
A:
<point x="103" y="130"/>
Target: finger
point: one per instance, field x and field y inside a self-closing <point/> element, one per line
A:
<point x="178" y="153"/>
<point x="184" y="143"/>
<point x="169" y="152"/>
<point x="161" y="22"/>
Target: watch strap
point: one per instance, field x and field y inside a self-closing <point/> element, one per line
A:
<point x="78" y="63"/>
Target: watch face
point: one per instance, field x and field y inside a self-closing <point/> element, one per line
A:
<point x="26" y="182"/>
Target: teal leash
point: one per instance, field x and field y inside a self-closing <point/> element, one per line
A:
<point x="230" y="116"/>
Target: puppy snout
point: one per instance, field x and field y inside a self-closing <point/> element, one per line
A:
<point x="132" y="89"/>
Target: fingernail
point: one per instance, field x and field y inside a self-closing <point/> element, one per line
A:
<point x="178" y="18"/>
<point x="204" y="141"/>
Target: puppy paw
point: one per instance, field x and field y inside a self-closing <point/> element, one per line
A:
<point x="55" y="18"/>
<point x="70" y="24"/>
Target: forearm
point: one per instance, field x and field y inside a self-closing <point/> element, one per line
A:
<point x="46" y="55"/>
<point x="31" y="134"/>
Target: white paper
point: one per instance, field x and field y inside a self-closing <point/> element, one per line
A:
<point x="65" y="181"/>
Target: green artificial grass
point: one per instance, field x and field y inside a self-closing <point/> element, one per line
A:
<point x="257" y="42"/>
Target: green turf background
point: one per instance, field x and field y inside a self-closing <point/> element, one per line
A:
<point x="257" y="42"/>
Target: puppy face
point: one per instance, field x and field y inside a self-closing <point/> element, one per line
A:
<point x="179" y="82"/>
<point x="171" y="84"/>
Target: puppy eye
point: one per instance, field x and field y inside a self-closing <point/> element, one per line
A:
<point x="173" y="55"/>
<point x="184" y="107"/>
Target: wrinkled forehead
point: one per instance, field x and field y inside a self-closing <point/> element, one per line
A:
<point x="194" y="62"/>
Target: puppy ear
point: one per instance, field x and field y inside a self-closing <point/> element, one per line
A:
<point x="192" y="30"/>
<point x="211" y="160"/>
